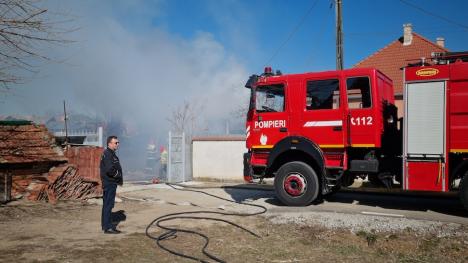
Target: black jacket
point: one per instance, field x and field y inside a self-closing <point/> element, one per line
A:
<point x="111" y="171"/>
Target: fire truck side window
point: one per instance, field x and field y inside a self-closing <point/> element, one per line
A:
<point x="359" y="95"/>
<point x="269" y="98"/>
<point x="323" y="94"/>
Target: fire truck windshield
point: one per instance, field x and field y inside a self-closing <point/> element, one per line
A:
<point x="269" y="98"/>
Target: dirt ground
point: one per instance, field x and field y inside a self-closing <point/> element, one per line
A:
<point x="70" y="232"/>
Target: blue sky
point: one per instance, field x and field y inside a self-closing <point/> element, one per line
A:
<point x="142" y="59"/>
<point x="255" y="30"/>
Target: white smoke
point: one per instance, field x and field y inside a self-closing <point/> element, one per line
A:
<point x="131" y="69"/>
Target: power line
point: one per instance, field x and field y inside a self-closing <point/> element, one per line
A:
<point x="434" y="15"/>
<point x="291" y="34"/>
<point x="319" y="36"/>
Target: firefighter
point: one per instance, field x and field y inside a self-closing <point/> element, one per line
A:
<point x="163" y="161"/>
<point x="111" y="176"/>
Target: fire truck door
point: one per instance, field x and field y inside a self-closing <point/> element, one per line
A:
<point x="361" y="117"/>
<point x="323" y="116"/>
<point x="270" y="123"/>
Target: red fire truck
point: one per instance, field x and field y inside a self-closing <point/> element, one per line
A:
<point x="316" y="132"/>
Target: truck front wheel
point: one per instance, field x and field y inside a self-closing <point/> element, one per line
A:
<point x="296" y="184"/>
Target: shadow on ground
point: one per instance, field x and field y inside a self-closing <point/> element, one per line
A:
<point x="448" y="205"/>
<point x="118" y="217"/>
<point x="249" y="192"/>
<point x="440" y="203"/>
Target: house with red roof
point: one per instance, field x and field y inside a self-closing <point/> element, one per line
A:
<point x="398" y="54"/>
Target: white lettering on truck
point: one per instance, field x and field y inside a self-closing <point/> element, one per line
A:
<point x="270" y="124"/>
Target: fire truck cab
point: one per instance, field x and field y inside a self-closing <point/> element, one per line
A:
<point x="316" y="132"/>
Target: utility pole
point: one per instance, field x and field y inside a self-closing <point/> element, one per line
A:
<point x="65" y="118"/>
<point x="339" y="36"/>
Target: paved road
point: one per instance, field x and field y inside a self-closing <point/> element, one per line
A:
<point x="434" y="207"/>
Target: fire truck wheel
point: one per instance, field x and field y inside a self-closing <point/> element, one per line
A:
<point x="464" y="190"/>
<point x="296" y="184"/>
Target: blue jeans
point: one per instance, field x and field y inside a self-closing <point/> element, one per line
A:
<point x="108" y="200"/>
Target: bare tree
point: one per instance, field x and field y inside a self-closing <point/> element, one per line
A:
<point x="240" y="111"/>
<point x="185" y="118"/>
<point x="25" y="29"/>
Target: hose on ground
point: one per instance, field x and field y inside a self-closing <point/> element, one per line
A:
<point x="171" y="232"/>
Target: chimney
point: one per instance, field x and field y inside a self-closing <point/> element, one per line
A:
<point x="440" y="41"/>
<point x="407" y="34"/>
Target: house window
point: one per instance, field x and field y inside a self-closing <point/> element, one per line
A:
<point x="323" y="94"/>
<point x="359" y="94"/>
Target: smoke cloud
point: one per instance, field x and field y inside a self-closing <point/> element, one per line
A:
<point x="121" y="65"/>
<point x="132" y="69"/>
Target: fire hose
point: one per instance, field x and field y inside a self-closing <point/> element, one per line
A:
<point x="171" y="232"/>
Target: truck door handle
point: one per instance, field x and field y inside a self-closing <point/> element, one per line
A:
<point x="283" y="129"/>
<point x="338" y="128"/>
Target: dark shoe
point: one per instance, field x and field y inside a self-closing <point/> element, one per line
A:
<point x="112" y="231"/>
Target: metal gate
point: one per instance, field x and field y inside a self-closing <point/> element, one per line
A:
<point x="179" y="164"/>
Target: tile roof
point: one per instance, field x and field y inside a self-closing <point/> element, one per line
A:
<point x="395" y="55"/>
<point x="22" y="143"/>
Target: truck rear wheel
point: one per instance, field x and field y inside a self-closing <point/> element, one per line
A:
<point x="296" y="184"/>
<point x="464" y="190"/>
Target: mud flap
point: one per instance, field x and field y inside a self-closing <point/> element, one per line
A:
<point x="248" y="172"/>
<point x="325" y="188"/>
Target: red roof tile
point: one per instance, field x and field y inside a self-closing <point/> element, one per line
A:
<point x="28" y="143"/>
<point x="395" y="55"/>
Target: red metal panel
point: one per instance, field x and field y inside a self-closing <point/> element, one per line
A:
<point x="458" y="109"/>
<point x="425" y="176"/>
<point x="86" y="159"/>
<point x="334" y="158"/>
<point x="459" y="71"/>
<point x="259" y="158"/>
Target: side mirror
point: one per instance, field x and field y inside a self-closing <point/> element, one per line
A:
<point x="251" y="82"/>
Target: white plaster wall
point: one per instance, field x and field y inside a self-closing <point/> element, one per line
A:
<point x="220" y="160"/>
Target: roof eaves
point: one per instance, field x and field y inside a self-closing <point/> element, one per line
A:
<point x="430" y="42"/>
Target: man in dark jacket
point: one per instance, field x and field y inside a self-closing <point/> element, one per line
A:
<point x="111" y="176"/>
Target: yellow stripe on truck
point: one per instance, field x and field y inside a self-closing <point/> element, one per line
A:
<point x="363" y="145"/>
<point x="459" y="150"/>
<point x="331" y="146"/>
<point x="262" y="146"/>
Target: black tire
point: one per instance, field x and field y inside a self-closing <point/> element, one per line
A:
<point x="463" y="190"/>
<point x="294" y="174"/>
